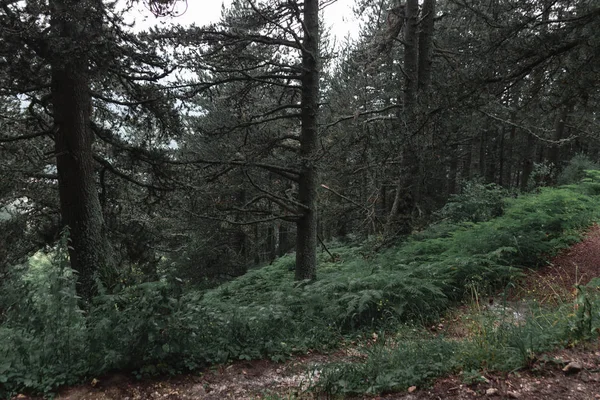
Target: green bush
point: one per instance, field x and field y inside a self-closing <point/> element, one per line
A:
<point x="477" y="202"/>
<point x="46" y="340"/>
<point x="575" y="171"/>
<point x="43" y="333"/>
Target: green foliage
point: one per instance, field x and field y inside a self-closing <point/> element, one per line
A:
<point x="586" y="322"/>
<point x="575" y="171"/>
<point x="541" y="175"/>
<point x="500" y="344"/>
<point x="46" y="340"/>
<point x="43" y="332"/>
<point x="391" y="367"/>
<point x="489" y="254"/>
<point x="477" y="202"/>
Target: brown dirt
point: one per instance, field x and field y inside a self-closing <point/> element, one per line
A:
<point x="575" y="265"/>
<point x="544" y="380"/>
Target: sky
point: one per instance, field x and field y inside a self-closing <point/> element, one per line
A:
<point x="338" y="16"/>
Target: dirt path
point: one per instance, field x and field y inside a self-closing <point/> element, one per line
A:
<point x="265" y="379"/>
<point x="575" y="265"/>
<point x="543" y="381"/>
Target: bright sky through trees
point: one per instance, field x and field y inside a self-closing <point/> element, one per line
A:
<point x="338" y="16"/>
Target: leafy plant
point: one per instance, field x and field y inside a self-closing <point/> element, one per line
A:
<point x="575" y="171"/>
<point x="151" y="328"/>
<point x="477" y="202"/>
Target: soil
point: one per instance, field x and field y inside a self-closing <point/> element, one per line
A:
<point x="576" y="265"/>
<point x="545" y="379"/>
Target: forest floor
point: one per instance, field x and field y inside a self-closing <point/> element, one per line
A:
<point x="572" y="373"/>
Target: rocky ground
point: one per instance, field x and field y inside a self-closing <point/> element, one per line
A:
<point x="566" y="374"/>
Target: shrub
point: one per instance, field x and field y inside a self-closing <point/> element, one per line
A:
<point x="46" y="340"/>
<point x="43" y="334"/>
<point x="575" y="171"/>
<point x="477" y="202"/>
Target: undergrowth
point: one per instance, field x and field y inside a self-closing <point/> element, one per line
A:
<point x="497" y="341"/>
<point x="47" y="341"/>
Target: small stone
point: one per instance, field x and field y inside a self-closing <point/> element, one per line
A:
<point x="412" y="389"/>
<point x="491" y="392"/>
<point x="513" y="395"/>
<point x="198" y="391"/>
<point x="560" y="360"/>
<point x="572" y="368"/>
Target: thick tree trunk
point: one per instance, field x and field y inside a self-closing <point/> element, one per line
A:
<point x="411" y="56"/>
<point x="306" y="240"/>
<point x="426" y="44"/>
<point x="71" y="101"/>
<point x="400" y="218"/>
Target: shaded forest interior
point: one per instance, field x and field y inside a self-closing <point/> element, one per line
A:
<point x="159" y="164"/>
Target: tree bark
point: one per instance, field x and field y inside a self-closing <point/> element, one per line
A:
<point x="452" y="174"/>
<point x="559" y="133"/>
<point x="283" y="239"/>
<point x="527" y="164"/>
<point x="475" y="166"/>
<point x="71" y="101"/>
<point x="426" y="45"/>
<point x="306" y="240"/>
<point x="400" y="218"/>
<point x="411" y="56"/>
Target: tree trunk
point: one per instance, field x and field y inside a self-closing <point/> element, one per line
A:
<point x="559" y="133"/>
<point x="528" y="157"/>
<point x="306" y="241"/>
<point x="452" y="174"/>
<point x="411" y="57"/>
<point x="400" y="218"/>
<point x="475" y="159"/>
<point x="283" y="239"/>
<point x="508" y="180"/>
<point x="426" y="45"/>
<point x="71" y="101"/>
<point x="501" y="155"/>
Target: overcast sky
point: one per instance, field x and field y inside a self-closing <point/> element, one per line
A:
<point x="338" y="16"/>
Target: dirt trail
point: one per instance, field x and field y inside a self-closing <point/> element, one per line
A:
<point x="543" y="381"/>
<point x="266" y="379"/>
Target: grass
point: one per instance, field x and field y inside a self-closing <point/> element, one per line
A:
<point x="161" y="328"/>
<point x="492" y="342"/>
